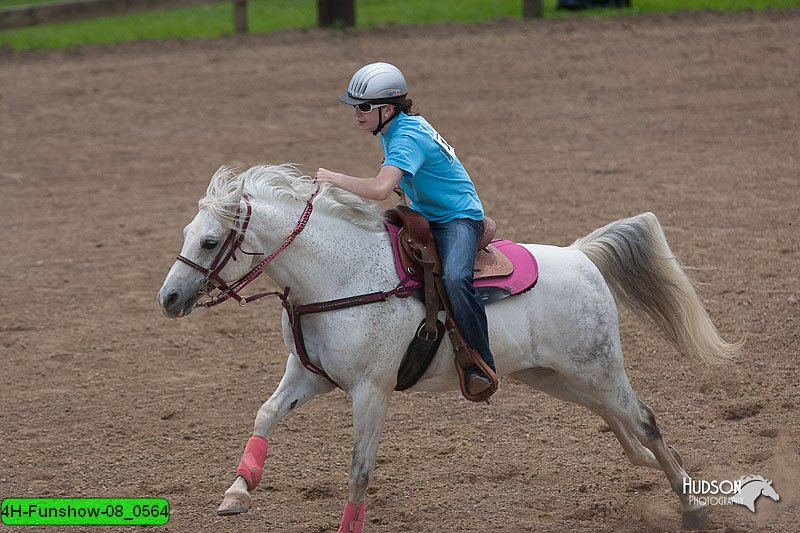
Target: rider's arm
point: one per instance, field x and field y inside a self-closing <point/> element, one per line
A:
<point x="378" y="188"/>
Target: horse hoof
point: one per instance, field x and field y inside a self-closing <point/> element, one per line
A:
<point x="675" y="454"/>
<point x="234" y="503"/>
<point x="695" y="518"/>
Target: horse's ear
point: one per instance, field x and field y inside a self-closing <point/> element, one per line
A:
<point x="240" y="190"/>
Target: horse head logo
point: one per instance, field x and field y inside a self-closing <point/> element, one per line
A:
<point x="752" y="488"/>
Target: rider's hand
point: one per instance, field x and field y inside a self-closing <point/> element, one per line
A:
<point x="326" y="176"/>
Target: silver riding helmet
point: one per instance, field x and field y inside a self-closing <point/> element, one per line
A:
<point x="377" y="83"/>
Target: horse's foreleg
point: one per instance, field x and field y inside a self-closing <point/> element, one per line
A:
<point x="297" y="386"/>
<point x="369" y="413"/>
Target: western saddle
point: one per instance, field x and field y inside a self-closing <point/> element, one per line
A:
<point x="420" y="260"/>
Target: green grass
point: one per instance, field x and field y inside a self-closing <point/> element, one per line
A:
<point x="270" y="15"/>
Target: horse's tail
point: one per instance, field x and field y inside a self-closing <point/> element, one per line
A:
<point x="642" y="272"/>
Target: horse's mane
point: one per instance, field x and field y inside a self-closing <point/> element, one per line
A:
<point x="283" y="183"/>
<point x="748" y="479"/>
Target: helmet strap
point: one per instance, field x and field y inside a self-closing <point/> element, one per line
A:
<point x="381" y="122"/>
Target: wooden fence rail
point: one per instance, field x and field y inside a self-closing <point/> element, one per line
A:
<point x="332" y="13"/>
<point x="71" y="10"/>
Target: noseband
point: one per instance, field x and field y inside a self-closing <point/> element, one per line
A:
<point x="228" y="251"/>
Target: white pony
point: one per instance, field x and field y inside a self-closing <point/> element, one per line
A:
<point x="561" y="337"/>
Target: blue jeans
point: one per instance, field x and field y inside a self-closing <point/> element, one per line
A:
<point x="457" y="244"/>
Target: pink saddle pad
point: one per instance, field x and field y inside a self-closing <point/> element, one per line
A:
<point x="524" y="276"/>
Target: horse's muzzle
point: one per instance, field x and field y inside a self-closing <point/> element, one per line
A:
<point x="174" y="304"/>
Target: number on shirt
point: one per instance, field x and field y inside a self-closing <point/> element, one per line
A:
<point x="448" y="150"/>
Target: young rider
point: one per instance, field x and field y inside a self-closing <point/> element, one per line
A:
<point x="428" y="171"/>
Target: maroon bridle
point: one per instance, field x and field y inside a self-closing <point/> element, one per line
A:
<point x="227" y="252"/>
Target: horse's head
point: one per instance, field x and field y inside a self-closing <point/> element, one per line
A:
<point x="214" y="250"/>
<point x="212" y="255"/>
<point x="752" y="488"/>
<point x="769" y="491"/>
<point x="201" y="265"/>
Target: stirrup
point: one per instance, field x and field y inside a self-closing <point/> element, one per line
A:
<point x="466" y="357"/>
<point x="484" y="395"/>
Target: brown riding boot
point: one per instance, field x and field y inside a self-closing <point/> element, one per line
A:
<point x="477" y="384"/>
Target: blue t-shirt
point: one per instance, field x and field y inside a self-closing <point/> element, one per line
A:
<point x="434" y="179"/>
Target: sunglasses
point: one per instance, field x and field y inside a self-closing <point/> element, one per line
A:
<point x="367" y="107"/>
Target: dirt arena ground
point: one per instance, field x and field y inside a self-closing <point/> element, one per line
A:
<point x="565" y="125"/>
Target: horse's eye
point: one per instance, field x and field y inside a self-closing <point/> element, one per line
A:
<point x="209" y="244"/>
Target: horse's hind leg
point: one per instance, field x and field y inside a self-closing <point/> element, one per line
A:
<point x="632" y="422"/>
<point x="554" y="384"/>
<point x="297" y="386"/>
<point x="636" y="452"/>
<point x="637" y="419"/>
<point x="642" y="422"/>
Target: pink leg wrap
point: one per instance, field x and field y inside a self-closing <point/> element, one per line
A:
<point x="255" y="453"/>
<point x="353" y="517"/>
